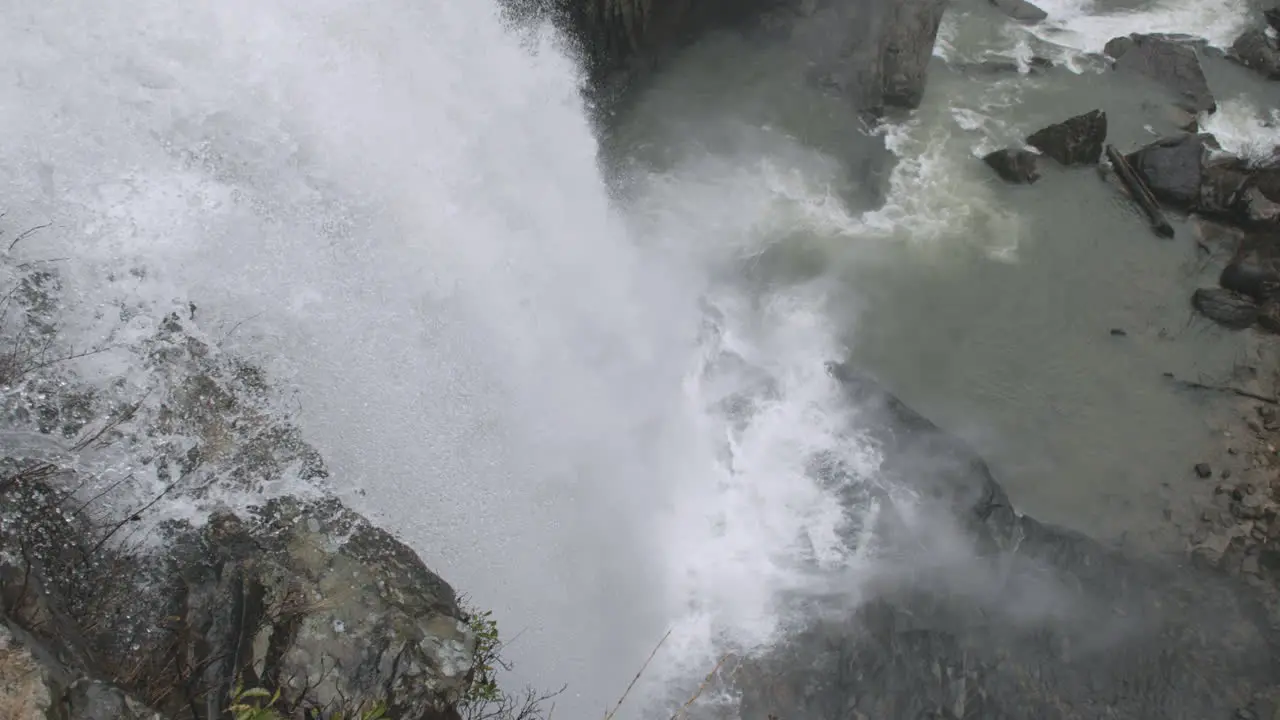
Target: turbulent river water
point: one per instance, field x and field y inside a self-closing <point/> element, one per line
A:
<point x="593" y="400"/>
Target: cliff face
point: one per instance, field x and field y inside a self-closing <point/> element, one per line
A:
<point x="112" y="605"/>
<point x="875" y="52"/>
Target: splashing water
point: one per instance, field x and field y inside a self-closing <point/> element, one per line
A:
<point x="396" y="208"/>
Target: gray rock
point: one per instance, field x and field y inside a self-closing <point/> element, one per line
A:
<point x="1226" y="307"/>
<point x="1168" y="61"/>
<point x="1203" y="470"/>
<point x="907" y="49"/>
<point x="1173" y="168"/>
<point x="1252" y="275"/>
<point x="1272" y="16"/>
<point x="1015" y="166"/>
<point x="1020" y="10"/>
<point x="301" y="595"/>
<point x="1075" y="141"/>
<point x="1258" y="52"/>
<point x="311" y="599"/>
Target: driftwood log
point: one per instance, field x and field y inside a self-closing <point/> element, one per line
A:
<point x="1140" y="193"/>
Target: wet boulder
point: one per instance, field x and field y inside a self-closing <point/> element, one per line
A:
<point x="1015" y="166"/>
<point x="1248" y="276"/>
<point x="1168" y="61"/>
<point x="311" y="599"/>
<point x="1256" y="51"/>
<point x="1254" y="268"/>
<point x="1173" y="168"/>
<point x="1020" y="10"/>
<point x="1075" y="141"/>
<point x="1228" y="308"/>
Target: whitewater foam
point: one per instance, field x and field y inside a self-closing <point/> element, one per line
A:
<point x="1243" y="129"/>
<point x="396" y="209"/>
<point x="1082" y="25"/>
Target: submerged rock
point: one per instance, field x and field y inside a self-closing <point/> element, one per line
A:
<point x="1075" y="141"/>
<point x="1020" y="10"/>
<point x="1015" y="166"/>
<point x="1255" y="50"/>
<point x="1226" y="307"/>
<point x="1168" y="61"/>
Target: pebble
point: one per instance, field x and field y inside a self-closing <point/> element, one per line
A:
<point x="1117" y="332"/>
<point x="1203" y="470"/>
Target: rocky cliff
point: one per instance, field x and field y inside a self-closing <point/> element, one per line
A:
<point x="114" y="606"/>
<point x="875" y="52"/>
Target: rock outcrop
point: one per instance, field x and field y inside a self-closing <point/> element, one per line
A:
<point x="876" y="52"/>
<point x="906" y="50"/>
<point x="1168" y="60"/>
<point x="128" y="614"/>
<point x="1041" y="622"/>
<point x="1075" y="141"/>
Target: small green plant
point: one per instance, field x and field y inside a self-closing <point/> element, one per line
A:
<point x="259" y="704"/>
<point x="484" y="678"/>
<point x="484" y="698"/>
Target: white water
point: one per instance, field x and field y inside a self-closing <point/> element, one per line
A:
<point x="396" y="208"/>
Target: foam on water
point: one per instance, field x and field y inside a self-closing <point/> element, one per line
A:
<point x="1086" y="26"/>
<point x="395" y="207"/>
<point x="1243" y="129"/>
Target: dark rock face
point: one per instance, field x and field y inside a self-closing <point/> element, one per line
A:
<point x="1174" y="167"/>
<point x="1075" y="141"/>
<point x="277" y="591"/>
<point x="1166" y="60"/>
<point x="1272" y="16"/>
<point x="1258" y="52"/>
<point x="298" y="595"/>
<point x="1041" y="623"/>
<point x="907" y="48"/>
<point x="1021" y="10"/>
<point x="1228" y="308"/>
<point x="1015" y="166"/>
<point x="1191" y="172"/>
<point x="876" y="52"/>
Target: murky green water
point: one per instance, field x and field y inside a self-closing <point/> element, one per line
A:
<point x="988" y="307"/>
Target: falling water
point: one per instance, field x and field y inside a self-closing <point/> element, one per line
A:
<point x="396" y="208"/>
